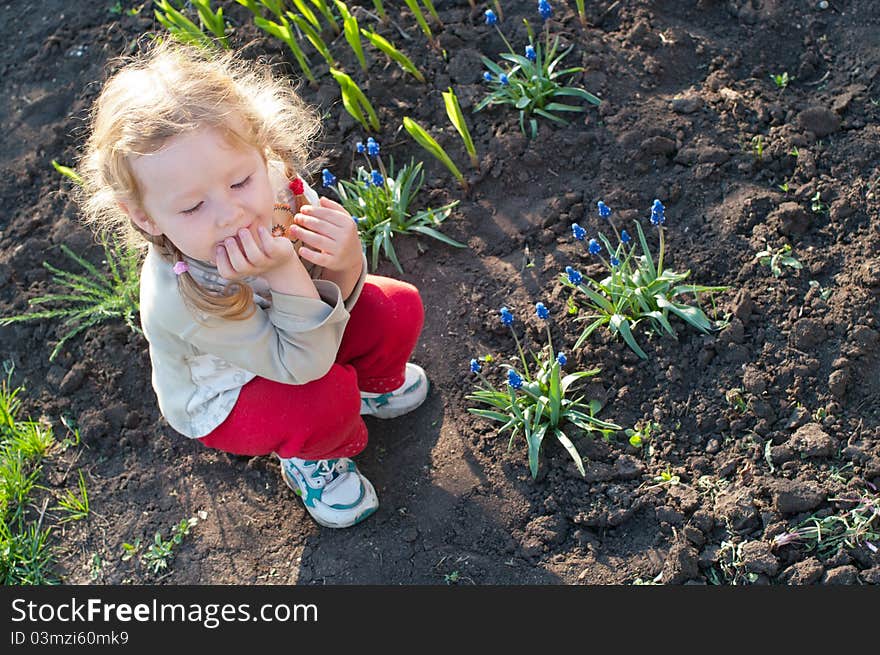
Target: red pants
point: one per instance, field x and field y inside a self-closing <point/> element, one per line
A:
<point x="321" y="419"/>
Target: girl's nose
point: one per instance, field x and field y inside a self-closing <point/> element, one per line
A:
<point x="230" y="214"/>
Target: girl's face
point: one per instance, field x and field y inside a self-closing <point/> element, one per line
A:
<point x="199" y="190"/>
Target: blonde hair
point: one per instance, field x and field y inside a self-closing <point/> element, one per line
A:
<point x="170" y="89"/>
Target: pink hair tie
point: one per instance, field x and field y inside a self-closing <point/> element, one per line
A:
<point x="180" y="268"/>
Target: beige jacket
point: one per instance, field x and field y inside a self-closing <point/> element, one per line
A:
<point x="201" y="363"/>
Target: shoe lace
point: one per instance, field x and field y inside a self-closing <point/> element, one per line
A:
<point x="329" y="469"/>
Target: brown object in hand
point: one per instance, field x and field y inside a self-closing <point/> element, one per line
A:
<point x="283" y="216"/>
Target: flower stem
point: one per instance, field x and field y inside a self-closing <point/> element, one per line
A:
<point x="522" y="355"/>
<point x="506" y="42"/>
<point x="550" y="342"/>
<point x="662" y="248"/>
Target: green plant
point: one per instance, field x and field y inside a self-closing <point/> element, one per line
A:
<point x="380" y="9"/>
<point x="355" y="102"/>
<point x="636" y="290"/>
<point x="532" y="85"/>
<point x="313" y="37"/>
<point x="381" y="201"/>
<point x="76" y="504"/>
<point x="325" y="10"/>
<point x="161" y="551"/>
<point x="817" y="205"/>
<point x="758" y="147"/>
<point x="413" y="6"/>
<point x="381" y="43"/>
<point x="582" y="14"/>
<point x="778" y="258"/>
<point x="858" y="526"/>
<point x="68" y="172"/>
<point x="186" y="31"/>
<point x="456" y="117"/>
<point x="735" y="399"/>
<point x="132" y="11"/>
<point x="130" y="550"/>
<point x="641" y="435"/>
<point x="282" y="31"/>
<point x="781" y="80"/>
<point x="428" y="142"/>
<point x="93" y="297"/>
<point x="535" y="404"/>
<point x="26" y="556"/>
<point x="352" y="33"/>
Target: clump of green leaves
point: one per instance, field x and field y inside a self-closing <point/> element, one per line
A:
<point x="778" y="258"/>
<point x="636" y="290"/>
<point x="26" y="554"/>
<point x="355" y="102"/>
<point x="186" y="31"/>
<point x="532" y="85"/>
<point x="429" y="143"/>
<point x="75" y="504"/>
<point x="385" y="46"/>
<point x="851" y="528"/>
<point x="641" y="436"/>
<point x="781" y="80"/>
<point x="161" y="551"/>
<point x="536" y="403"/>
<point x="456" y="117"/>
<point x="92" y="297"/>
<point x="380" y="200"/>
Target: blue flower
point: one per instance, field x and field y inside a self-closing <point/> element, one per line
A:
<point x="376" y="178"/>
<point x="594" y="247"/>
<point x="491" y="18"/>
<point x="544" y="9"/>
<point x="513" y="379"/>
<point x="372" y="148"/>
<point x="573" y="276"/>
<point x="503" y="79"/>
<point x="475" y="366"/>
<point x="658" y="213"/>
<point x="506" y="316"/>
<point x="487" y="76"/>
<point x="356" y="219"/>
<point x="578" y="232"/>
<point x="604" y="210"/>
<point x="561" y="358"/>
<point x="625" y="237"/>
<point x="615" y="261"/>
<point x="359" y="146"/>
<point x="541" y="311"/>
<point x="531" y="55"/>
<point x="327" y="178"/>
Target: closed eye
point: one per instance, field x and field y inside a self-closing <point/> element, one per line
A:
<point x="239" y="185"/>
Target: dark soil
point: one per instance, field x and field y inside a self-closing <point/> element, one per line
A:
<point x="686" y="87"/>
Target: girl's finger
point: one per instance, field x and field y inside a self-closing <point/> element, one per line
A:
<point x="317" y="224"/>
<point x="252" y="250"/>
<point x="332" y="204"/>
<point x="324" y="214"/>
<point x="314" y="239"/>
<point x="319" y="258"/>
<point x="236" y="256"/>
<point x="224" y="267"/>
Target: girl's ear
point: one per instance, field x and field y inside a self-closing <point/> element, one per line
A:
<point x="139" y="218"/>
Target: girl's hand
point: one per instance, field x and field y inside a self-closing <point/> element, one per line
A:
<point x="247" y="256"/>
<point x="329" y="235"/>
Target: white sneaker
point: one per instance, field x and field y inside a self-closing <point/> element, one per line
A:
<point x="333" y="490"/>
<point x="405" y="398"/>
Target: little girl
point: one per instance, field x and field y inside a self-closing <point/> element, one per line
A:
<point x="266" y="334"/>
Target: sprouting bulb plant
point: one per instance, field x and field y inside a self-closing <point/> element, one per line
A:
<point x="778" y="258"/>
<point x="535" y="402"/>
<point x="532" y="85"/>
<point x="636" y="290"/>
<point x="380" y="200"/>
<point x="781" y="80"/>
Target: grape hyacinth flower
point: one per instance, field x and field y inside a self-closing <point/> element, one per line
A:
<point x="578" y="232"/>
<point x="487" y="76"/>
<point x="531" y="55"/>
<point x="658" y="213"/>
<point x="541" y="311"/>
<point x="604" y="210"/>
<point x="561" y="358"/>
<point x="359" y="146"/>
<point x="475" y="366"/>
<point x="376" y="178"/>
<point x="503" y="79"/>
<point x="506" y="316"/>
<point x="615" y="262"/>
<point x="372" y="148"/>
<point x="573" y="276"/>
<point x="327" y="178"/>
<point x="594" y="247"/>
<point x="514" y="379"/>
<point x="625" y="237"/>
<point x="544" y="9"/>
<point x="491" y="17"/>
